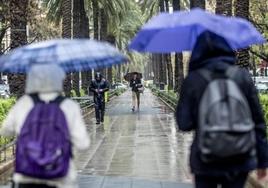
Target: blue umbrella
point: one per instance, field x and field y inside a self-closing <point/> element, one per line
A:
<point x="71" y="55"/>
<point x="178" y="31"/>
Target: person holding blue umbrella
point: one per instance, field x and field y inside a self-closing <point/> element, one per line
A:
<point x="218" y="101"/>
<point x="48" y="125"/>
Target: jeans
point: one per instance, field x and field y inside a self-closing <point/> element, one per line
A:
<point x="231" y="181"/>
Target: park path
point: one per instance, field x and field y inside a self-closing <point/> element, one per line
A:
<point x="135" y="149"/>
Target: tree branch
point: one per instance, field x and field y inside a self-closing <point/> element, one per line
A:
<point x="260" y="55"/>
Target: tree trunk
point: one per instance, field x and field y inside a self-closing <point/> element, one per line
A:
<point x="86" y="76"/>
<point x="162" y="58"/>
<point x="18" y="23"/>
<point x="179" y="74"/>
<point x="167" y="58"/>
<point x="224" y="7"/>
<point x="96" y="14"/>
<point x="242" y="10"/>
<point x="170" y="72"/>
<point x="111" y="39"/>
<point x="103" y="33"/>
<point x="67" y="33"/>
<point x="198" y="3"/>
<point x="76" y="34"/>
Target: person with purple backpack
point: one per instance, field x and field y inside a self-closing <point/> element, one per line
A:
<point x="48" y="128"/>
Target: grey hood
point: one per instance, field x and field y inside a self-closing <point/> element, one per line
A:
<point x="47" y="78"/>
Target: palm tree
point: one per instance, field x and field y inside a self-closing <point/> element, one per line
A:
<point x="242" y="10"/>
<point x="86" y="76"/>
<point x="198" y="3"/>
<point x="162" y="64"/>
<point x="18" y="23"/>
<point x="76" y="34"/>
<point x="224" y="7"/>
<point x="80" y="30"/>
<point x="67" y="33"/>
<point x="179" y="74"/>
<point x="167" y="58"/>
<point x="103" y="32"/>
<point x="96" y="13"/>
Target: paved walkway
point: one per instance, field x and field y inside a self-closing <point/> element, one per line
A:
<point x="135" y="149"/>
<point x="140" y="149"/>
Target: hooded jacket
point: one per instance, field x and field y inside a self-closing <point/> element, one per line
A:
<point x="213" y="53"/>
<point x="47" y="82"/>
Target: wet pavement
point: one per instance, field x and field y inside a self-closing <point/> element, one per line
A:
<point x="135" y="149"/>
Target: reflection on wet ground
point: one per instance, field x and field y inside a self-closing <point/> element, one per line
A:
<point x="142" y="144"/>
<point x="135" y="149"/>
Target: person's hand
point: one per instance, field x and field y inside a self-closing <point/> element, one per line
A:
<point x="261" y="173"/>
<point x="101" y="90"/>
<point x="96" y="90"/>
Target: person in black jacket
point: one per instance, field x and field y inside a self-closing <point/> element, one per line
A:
<point x="135" y="84"/>
<point x="99" y="86"/>
<point x="214" y="54"/>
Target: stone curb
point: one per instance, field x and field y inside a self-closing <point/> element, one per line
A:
<point x="6" y="166"/>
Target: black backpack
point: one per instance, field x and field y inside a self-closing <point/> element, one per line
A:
<point x="226" y="128"/>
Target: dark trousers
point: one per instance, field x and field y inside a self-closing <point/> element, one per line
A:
<point x="231" y="181"/>
<point x="31" y="185"/>
<point x="99" y="109"/>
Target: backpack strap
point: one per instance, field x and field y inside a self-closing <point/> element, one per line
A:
<point x="231" y="72"/>
<point x="36" y="99"/>
<point x="206" y="74"/>
<point x="58" y="99"/>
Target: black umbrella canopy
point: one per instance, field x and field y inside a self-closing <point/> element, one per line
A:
<point x="130" y="75"/>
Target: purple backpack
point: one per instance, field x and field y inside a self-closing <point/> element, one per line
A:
<point x="43" y="148"/>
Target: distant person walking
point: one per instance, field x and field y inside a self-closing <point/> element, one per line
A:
<point x="219" y="102"/>
<point x="99" y="86"/>
<point x="48" y="127"/>
<point x="135" y="84"/>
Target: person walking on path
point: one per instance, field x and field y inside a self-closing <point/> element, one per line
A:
<point x="48" y="128"/>
<point x="219" y="102"/>
<point x="135" y="84"/>
<point x="99" y="86"/>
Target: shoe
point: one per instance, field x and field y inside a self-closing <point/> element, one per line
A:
<point x="97" y="122"/>
<point x="133" y="109"/>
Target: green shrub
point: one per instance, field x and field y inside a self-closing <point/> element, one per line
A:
<point x="82" y="92"/>
<point x="73" y="93"/>
<point x="264" y="103"/>
<point x="5" y="105"/>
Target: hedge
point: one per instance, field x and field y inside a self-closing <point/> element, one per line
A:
<point x="5" y="105"/>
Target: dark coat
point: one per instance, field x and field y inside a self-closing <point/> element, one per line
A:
<point x="135" y="84"/>
<point x="103" y="85"/>
<point x="213" y="53"/>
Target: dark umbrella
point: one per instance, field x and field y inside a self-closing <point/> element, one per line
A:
<point x="129" y="76"/>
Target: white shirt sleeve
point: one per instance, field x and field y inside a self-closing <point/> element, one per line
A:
<point x="77" y="126"/>
<point x="16" y="116"/>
